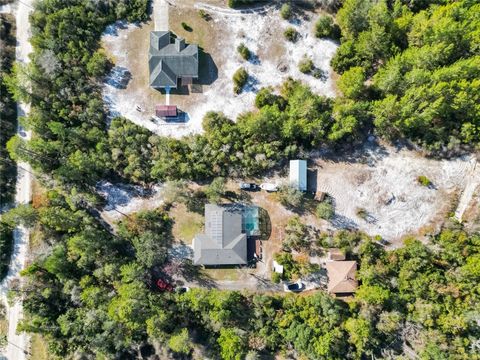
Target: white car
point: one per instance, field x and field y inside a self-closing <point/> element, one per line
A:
<point x="270" y="187"/>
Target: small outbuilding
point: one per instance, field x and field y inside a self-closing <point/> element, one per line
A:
<point x="166" y="111"/>
<point x="298" y="174"/>
<point x="341" y="277"/>
<point x="335" y="254"/>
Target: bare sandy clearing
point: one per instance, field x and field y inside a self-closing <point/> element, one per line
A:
<point x="274" y="60"/>
<point x="386" y="186"/>
<point x="125" y="199"/>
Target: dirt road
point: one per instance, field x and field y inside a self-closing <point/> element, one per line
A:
<point x="18" y="343"/>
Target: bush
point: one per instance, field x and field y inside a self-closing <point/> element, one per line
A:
<point x="216" y="190"/>
<point x="325" y="210"/>
<point x="326" y="28"/>
<point x="306" y="65"/>
<point x="237" y="3"/>
<point x="290" y="196"/>
<point x="297" y="235"/>
<point x="424" y="181"/>
<point x="204" y="15"/>
<point x="291" y="34"/>
<point x="180" y="343"/>
<point x="362" y="213"/>
<point x="186" y="27"/>
<point x="286" y="11"/>
<point x="276" y="277"/>
<point x="265" y="97"/>
<point x="244" y="51"/>
<point x="239" y="80"/>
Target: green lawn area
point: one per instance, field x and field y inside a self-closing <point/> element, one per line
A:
<point x="38" y="348"/>
<point x="186" y="223"/>
<point x="225" y="274"/>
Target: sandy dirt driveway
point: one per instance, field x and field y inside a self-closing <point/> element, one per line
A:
<point x="17" y="346"/>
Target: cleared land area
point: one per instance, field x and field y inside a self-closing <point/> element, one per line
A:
<point x="274" y="59"/>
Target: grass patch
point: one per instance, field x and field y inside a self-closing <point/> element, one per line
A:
<point x="38" y="348"/>
<point x="186" y="224"/>
<point x="223" y="274"/>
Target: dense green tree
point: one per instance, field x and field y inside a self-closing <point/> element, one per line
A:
<point x="232" y="345"/>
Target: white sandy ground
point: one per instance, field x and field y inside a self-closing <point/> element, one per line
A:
<point x="386" y="187"/>
<point x="384" y="184"/>
<point x="219" y="95"/>
<point x="18" y="343"/>
<point x="125" y="199"/>
<point x="473" y="183"/>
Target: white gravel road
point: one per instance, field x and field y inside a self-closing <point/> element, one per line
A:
<point x="18" y="343"/>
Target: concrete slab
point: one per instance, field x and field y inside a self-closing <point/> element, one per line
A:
<point x="160" y="15"/>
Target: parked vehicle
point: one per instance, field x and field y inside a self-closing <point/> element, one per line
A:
<point x="182" y="289"/>
<point x="248" y="186"/>
<point x="270" y="187"/>
<point x="164" y="286"/>
<point x="294" y="287"/>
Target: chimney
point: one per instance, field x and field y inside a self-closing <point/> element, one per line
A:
<point x="179" y="44"/>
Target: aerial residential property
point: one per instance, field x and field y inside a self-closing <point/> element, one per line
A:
<point x="239" y="180"/>
<point x="171" y="60"/>
<point x="341" y="277"/>
<point x="224" y="242"/>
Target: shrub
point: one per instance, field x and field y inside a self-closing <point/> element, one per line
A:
<point x="276" y="277"/>
<point x="290" y="196"/>
<point x="361" y="213"/>
<point x="237" y="3"/>
<point x="286" y="11"/>
<point x="306" y="65"/>
<point x="204" y="15"/>
<point x="326" y="28"/>
<point x="186" y="27"/>
<point x="291" y="34"/>
<point x="265" y="97"/>
<point x="297" y="235"/>
<point x="424" y="181"/>
<point x="216" y="189"/>
<point x="290" y="266"/>
<point x="244" y="51"/>
<point x="180" y="343"/>
<point x="239" y="80"/>
<point x="325" y="210"/>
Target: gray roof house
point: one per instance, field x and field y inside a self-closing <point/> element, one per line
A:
<point x="224" y="242"/>
<point x="169" y="61"/>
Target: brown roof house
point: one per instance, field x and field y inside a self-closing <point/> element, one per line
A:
<point x="224" y="241"/>
<point x="341" y="277"/>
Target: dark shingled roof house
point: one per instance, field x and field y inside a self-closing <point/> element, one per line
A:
<point x="224" y="242"/>
<point x="169" y="61"/>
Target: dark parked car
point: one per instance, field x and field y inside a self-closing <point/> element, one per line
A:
<point x="182" y="289"/>
<point x="294" y="287"/>
<point x="248" y="186"/>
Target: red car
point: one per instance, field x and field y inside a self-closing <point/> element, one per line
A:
<point x="164" y="286"/>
